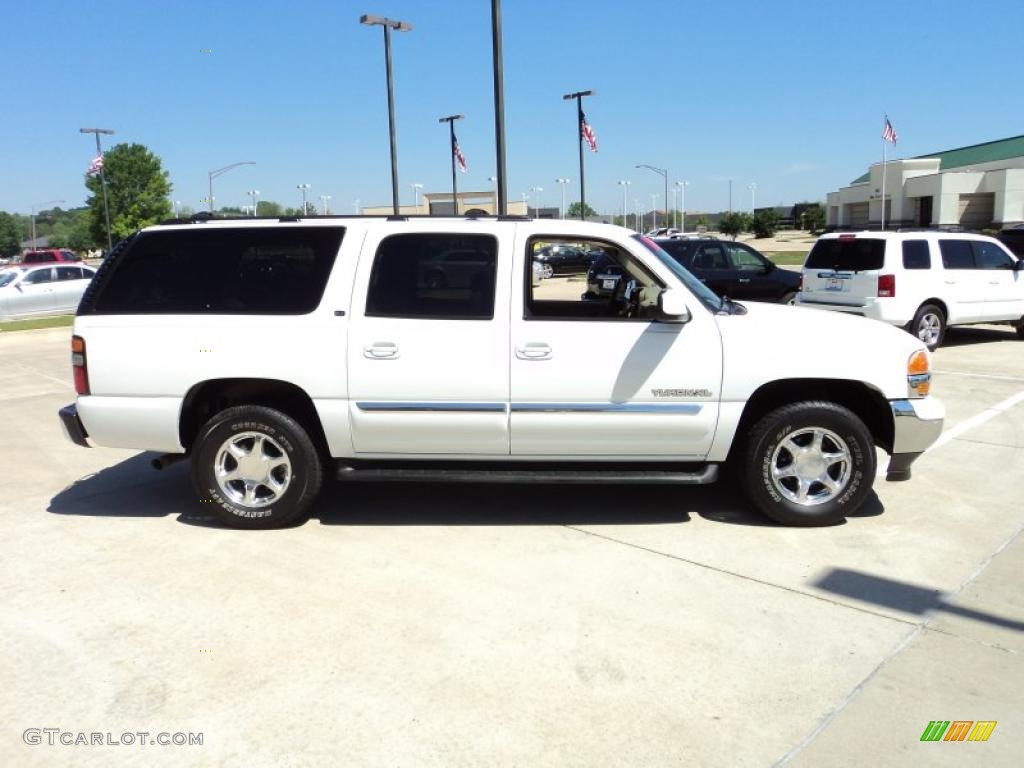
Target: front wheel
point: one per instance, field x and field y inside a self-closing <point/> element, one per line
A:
<point x="929" y="325"/>
<point x="257" y="466"/>
<point x="1020" y="328"/>
<point x="809" y="463"/>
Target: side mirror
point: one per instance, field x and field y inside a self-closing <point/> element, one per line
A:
<point x="1019" y="266"/>
<point x="672" y="307"/>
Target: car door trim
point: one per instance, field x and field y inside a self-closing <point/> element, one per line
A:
<point x="435" y="407"/>
<point x="688" y="409"/>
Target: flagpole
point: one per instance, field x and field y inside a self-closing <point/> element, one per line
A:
<point x="886" y="119"/>
<point x="578" y="96"/>
<point x="450" y="119"/>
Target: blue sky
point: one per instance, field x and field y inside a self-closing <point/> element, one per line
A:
<point x="789" y="95"/>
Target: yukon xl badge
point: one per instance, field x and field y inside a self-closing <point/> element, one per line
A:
<point x="681" y="392"/>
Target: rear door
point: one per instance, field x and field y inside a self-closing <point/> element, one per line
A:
<point x="711" y="265"/>
<point x="751" y="274"/>
<point x="69" y="287"/>
<point x="843" y="271"/>
<point x="428" y="352"/>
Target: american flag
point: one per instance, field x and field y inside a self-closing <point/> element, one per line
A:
<point x="95" y="166"/>
<point x="459" y="157"/>
<point x="587" y="133"/>
<point x="889" y="133"/>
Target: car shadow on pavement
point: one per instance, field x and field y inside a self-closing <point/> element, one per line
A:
<point x="902" y="596"/>
<point x="133" y="488"/>
<point x="962" y="336"/>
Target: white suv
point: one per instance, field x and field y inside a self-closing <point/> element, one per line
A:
<point x="921" y="281"/>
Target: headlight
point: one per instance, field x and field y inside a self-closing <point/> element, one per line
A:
<point x="919" y="374"/>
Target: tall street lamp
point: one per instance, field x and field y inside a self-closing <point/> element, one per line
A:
<point x="498" y="209"/>
<point x="578" y="95"/>
<point x="302" y="189"/>
<point x="563" y="182"/>
<point x="450" y="119"/>
<point x="220" y="172"/>
<point x="682" y="203"/>
<point x="388" y="25"/>
<point x="536" y="199"/>
<point x="753" y="189"/>
<point x="323" y="202"/>
<point x="624" y="184"/>
<point x="416" y="195"/>
<point x="654" y="210"/>
<point x="661" y="172"/>
<point x="175" y="204"/>
<point x="103" y="178"/>
<point x="730" y="195"/>
<point x="355" y="205"/>
<point x="254" y="193"/>
<point x="35" y="209"/>
<point x="500" y="181"/>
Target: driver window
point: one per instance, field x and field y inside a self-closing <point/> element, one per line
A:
<point x="573" y="279"/>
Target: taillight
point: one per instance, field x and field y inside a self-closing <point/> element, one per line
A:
<point x="78" y="365"/>
<point x="886" y="285"/>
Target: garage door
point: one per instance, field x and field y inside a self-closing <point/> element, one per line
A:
<point x="857" y="215"/>
<point x="977" y="211"/>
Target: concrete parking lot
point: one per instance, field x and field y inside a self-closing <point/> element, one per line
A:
<point x="420" y="625"/>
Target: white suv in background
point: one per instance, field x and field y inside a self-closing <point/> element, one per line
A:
<point x="921" y="281"/>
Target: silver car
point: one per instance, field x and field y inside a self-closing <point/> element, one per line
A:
<point x="47" y="289"/>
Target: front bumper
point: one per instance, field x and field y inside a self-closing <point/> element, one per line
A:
<point x="72" y="425"/>
<point x="917" y="424"/>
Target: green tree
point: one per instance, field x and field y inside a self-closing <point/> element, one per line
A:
<point x="733" y="223"/>
<point x="765" y="222"/>
<point x="268" y="208"/>
<point x="573" y="211"/>
<point x="10" y="235"/>
<point x="814" y="219"/>
<point x="137" y="189"/>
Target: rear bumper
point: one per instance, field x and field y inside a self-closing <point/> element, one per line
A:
<point x="917" y="424"/>
<point x="72" y="425"/>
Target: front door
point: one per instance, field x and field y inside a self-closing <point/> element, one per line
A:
<point x="36" y="296"/>
<point x="1005" y="289"/>
<point x="428" y="344"/>
<point x="595" y="375"/>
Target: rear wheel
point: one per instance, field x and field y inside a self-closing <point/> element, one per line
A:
<point x="929" y="325"/>
<point x="257" y="465"/>
<point x="809" y="463"/>
<point x="789" y="298"/>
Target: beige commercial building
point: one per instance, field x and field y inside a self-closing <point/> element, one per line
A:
<point x="973" y="187"/>
<point x="440" y="204"/>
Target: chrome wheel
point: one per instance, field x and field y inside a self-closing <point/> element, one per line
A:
<point x="929" y="328"/>
<point x="546" y="271"/>
<point x="811" y="466"/>
<point x="252" y="469"/>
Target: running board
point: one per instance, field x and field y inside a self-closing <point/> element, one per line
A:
<point x="700" y="475"/>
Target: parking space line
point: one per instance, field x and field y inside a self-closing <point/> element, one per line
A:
<point x="980" y="375"/>
<point x="62" y="382"/>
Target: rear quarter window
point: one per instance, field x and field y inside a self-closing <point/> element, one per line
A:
<point x="248" y="271"/>
<point x="854" y="255"/>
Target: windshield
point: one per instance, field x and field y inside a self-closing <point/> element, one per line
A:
<point x="708" y="297"/>
<point x="7" y="276"/>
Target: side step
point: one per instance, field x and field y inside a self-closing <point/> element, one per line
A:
<point x="509" y="472"/>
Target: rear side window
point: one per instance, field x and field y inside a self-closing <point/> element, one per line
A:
<point x="434" y="276"/>
<point x="69" y="273"/>
<point x="956" y="254"/>
<point x="916" y="255"/>
<point x="847" y="255"/>
<point x="680" y="250"/>
<point x="990" y="256"/>
<point x="250" y="271"/>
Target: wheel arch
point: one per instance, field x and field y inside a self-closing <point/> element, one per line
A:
<point x="938" y="303"/>
<point x="212" y="396"/>
<point x="866" y="402"/>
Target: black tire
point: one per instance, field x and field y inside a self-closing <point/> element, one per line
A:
<point x="1020" y="328"/>
<point x="929" y="325"/>
<point x="285" y="439"/>
<point x="842" y="433"/>
<point x="789" y="298"/>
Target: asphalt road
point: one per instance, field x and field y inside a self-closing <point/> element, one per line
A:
<point x="431" y="625"/>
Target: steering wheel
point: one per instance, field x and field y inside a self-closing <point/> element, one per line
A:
<point x="629" y="300"/>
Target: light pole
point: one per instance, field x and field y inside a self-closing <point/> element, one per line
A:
<point x="450" y="119"/>
<point x="675" y="211"/>
<point x="103" y="178"/>
<point x="497" y="195"/>
<point x="663" y="172"/>
<point x="639" y="215"/>
<point x="753" y="188"/>
<point x="355" y="205"/>
<point x="35" y="209"/>
<point x="254" y="193"/>
<point x="220" y="172"/>
<point x="682" y="203"/>
<point x="536" y="199"/>
<point x="175" y="204"/>
<point x="388" y="25"/>
<point x="624" y="184"/>
<point x="323" y="202"/>
<point x="730" y="195"/>
<point x="578" y="95"/>
<point x="416" y="195"/>
<point x="499" y="110"/>
<point x="654" y="210"/>
<point x="563" y="182"/>
<point x="302" y="188"/>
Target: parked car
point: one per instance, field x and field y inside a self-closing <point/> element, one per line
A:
<point x="734" y="269"/>
<point x="42" y="290"/>
<point x="663" y="232"/>
<point x="924" y="282"/>
<point x="373" y="376"/>
<point x="603" y="278"/>
<point x="49" y="255"/>
<point x="564" y="259"/>
<point x="1013" y="238"/>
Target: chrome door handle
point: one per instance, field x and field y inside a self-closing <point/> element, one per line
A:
<point x="951" y="282"/>
<point x="534" y="350"/>
<point x="381" y="350"/>
<point x="743" y="280"/>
